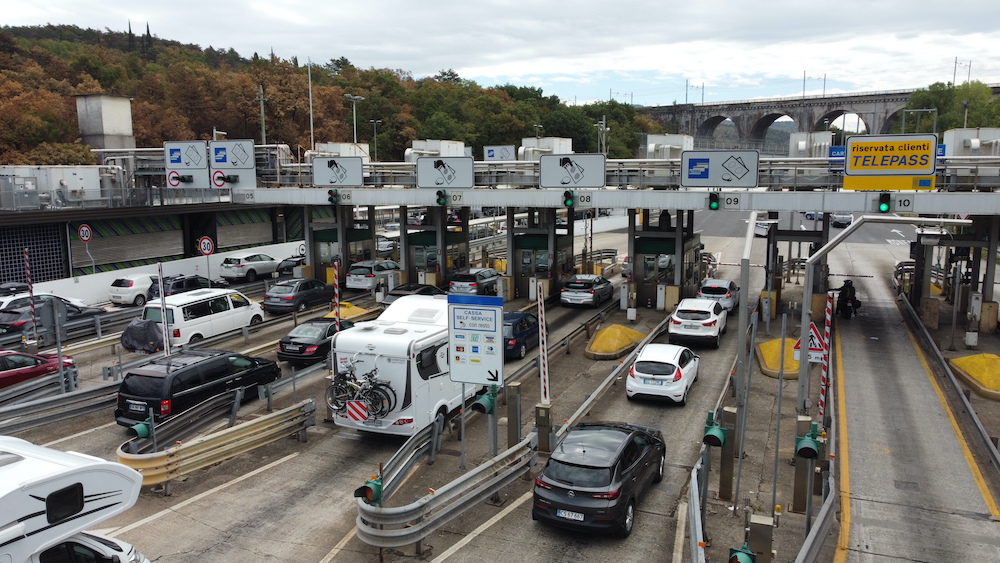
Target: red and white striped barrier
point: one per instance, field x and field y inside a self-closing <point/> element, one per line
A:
<point x="31" y="295"/>
<point x="824" y="380"/>
<point x="336" y="295"/>
<point x="543" y="346"/>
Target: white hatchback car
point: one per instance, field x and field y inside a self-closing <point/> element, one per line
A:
<point x="663" y="370"/>
<point x="698" y="320"/>
<point x="131" y="289"/>
<point x="248" y="266"/>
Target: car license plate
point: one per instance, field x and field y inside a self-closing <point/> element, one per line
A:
<point x="690" y="326"/>
<point x="292" y="348"/>
<point x="569" y="515"/>
<point x="653" y="381"/>
<point x="371" y="422"/>
<point x="136" y="407"/>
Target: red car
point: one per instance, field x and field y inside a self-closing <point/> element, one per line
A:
<point x="16" y="367"/>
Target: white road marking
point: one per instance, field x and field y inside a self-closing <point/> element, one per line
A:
<point x="198" y="497"/>
<point x="679" y="534"/>
<point x="78" y="434"/>
<point x="482" y="528"/>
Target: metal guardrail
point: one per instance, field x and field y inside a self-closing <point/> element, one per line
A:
<point x="400" y="526"/>
<point x="928" y="343"/>
<point x="189" y="423"/>
<point x="40" y="387"/>
<point x="75" y="329"/>
<point x="40" y="412"/>
<point x="185" y="457"/>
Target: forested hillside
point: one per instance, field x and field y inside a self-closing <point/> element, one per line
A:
<point x="183" y="91"/>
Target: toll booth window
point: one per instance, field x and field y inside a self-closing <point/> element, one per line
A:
<point x="541" y="262"/>
<point x="649" y="269"/>
<point x="665" y="263"/>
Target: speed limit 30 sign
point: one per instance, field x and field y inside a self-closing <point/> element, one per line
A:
<point x="206" y="245"/>
<point x="85" y="233"/>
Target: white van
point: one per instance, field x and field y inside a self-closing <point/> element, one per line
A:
<point x="195" y="315"/>
<point x="408" y="344"/>
<point x="48" y="497"/>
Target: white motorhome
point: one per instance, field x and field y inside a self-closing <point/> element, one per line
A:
<point x="408" y="344"/>
<point x="48" y="497"/>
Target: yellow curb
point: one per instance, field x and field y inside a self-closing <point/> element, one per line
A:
<point x="977" y="386"/>
<point x="764" y="358"/>
<point x="633" y="337"/>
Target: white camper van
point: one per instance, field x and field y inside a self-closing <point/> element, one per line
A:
<point x="408" y="345"/>
<point x="204" y="313"/>
<point x="48" y="497"/>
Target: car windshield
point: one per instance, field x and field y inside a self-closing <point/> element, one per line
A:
<point x="281" y="289"/>
<point x="287" y="263"/>
<point x="122" y="282"/>
<point x="360" y="271"/>
<point x="578" y="475"/>
<point x="142" y="385"/>
<point x="654" y="368"/>
<point x="692" y="315"/>
<point x="464" y="278"/>
<point x="714" y="290"/>
<point x="579" y="284"/>
<point x="508" y="330"/>
<point x="308" y="330"/>
<point x="231" y="261"/>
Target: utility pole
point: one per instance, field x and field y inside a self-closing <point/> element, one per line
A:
<point x="262" y="99"/>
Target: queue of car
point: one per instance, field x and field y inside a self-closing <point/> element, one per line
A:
<point x="595" y="478"/>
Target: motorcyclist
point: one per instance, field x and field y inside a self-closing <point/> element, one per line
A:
<point x="848" y="299"/>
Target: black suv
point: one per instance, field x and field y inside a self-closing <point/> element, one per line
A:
<point x="172" y="384"/>
<point x="596" y="476"/>
<point x="181" y="283"/>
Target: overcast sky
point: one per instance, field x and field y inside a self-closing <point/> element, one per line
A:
<point x="645" y="52"/>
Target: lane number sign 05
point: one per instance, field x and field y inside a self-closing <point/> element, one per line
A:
<point x="85" y="233"/>
<point x="206" y="245"/>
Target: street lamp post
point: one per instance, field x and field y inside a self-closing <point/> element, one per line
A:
<point x="375" y="123"/>
<point x="538" y="131"/>
<point x="354" y="104"/>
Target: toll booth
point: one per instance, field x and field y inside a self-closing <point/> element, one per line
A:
<point x="540" y="252"/>
<point x="665" y="259"/>
<point x="424" y="261"/>
<point x="323" y="238"/>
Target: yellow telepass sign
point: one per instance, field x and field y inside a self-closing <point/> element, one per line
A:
<point x="891" y="155"/>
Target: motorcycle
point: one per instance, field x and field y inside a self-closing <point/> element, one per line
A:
<point x="848" y="307"/>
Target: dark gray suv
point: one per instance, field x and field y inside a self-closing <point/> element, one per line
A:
<point x="597" y="475"/>
<point x="172" y="384"/>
